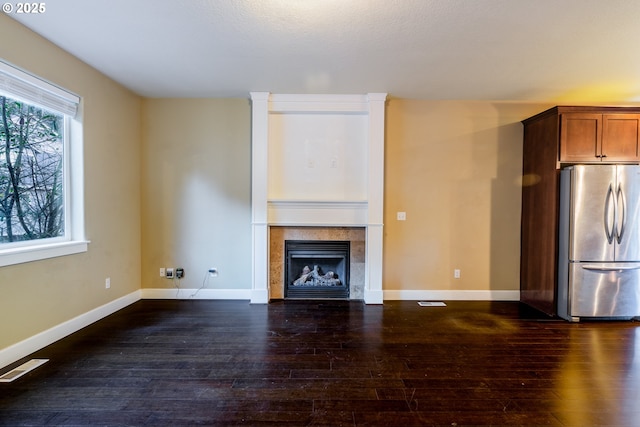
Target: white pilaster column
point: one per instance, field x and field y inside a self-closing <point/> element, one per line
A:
<point x="259" y="225"/>
<point x="373" y="275"/>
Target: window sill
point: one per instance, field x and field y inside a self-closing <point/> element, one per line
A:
<point x="38" y="252"/>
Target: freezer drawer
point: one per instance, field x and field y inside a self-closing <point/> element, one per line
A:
<point x="604" y="290"/>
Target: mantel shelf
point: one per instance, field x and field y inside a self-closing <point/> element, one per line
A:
<point x="315" y="202"/>
<point x="310" y="212"/>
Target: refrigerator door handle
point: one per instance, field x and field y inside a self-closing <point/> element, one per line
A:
<point x="609" y="230"/>
<point x="600" y="267"/>
<point x="621" y="224"/>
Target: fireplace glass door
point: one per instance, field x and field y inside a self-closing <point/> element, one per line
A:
<point x="316" y="269"/>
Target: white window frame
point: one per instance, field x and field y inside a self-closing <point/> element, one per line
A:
<point x="21" y="85"/>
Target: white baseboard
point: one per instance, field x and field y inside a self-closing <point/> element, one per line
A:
<point x="24" y="348"/>
<point x="373" y="297"/>
<point x="448" y="295"/>
<point x="259" y="296"/>
<point x="158" y="293"/>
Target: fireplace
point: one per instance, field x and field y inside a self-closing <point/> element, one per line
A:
<point x="317" y="162"/>
<point x="316" y="269"/>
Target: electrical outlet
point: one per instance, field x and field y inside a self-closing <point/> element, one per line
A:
<point x="107" y="283"/>
<point x="456" y="273"/>
<point x="162" y="272"/>
<point x="179" y="273"/>
<point x="213" y="272"/>
<point x="401" y="216"/>
<point x="168" y="273"/>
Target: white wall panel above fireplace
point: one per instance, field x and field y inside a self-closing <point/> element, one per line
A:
<point x="320" y="156"/>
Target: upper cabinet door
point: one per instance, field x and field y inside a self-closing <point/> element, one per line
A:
<point x="580" y="137"/>
<point x="620" y="137"/>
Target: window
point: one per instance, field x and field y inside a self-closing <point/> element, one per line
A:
<point x="41" y="213"/>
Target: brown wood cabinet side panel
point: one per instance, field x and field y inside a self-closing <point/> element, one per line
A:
<point x="620" y="137"/>
<point x="580" y="137"/>
<point x="538" y="275"/>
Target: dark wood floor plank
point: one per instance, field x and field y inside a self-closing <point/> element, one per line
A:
<point x="333" y="363"/>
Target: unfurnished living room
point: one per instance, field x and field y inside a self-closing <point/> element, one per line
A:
<point x="319" y="212"/>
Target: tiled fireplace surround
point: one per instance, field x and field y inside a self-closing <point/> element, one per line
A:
<point x="317" y="174"/>
<point x="355" y="235"/>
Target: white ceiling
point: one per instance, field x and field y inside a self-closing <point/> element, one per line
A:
<point x="513" y="50"/>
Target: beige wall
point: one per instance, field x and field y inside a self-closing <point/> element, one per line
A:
<point x="454" y="168"/>
<point x="196" y="181"/>
<point x="39" y="295"/>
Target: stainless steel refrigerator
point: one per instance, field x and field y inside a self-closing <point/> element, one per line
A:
<point x="599" y="246"/>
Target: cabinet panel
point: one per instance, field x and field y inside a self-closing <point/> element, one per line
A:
<point x="620" y="137"/>
<point x="538" y="265"/>
<point x="580" y="137"/>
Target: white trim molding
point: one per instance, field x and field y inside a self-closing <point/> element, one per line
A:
<point x="448" y="295"/>
<point x="24" y="348"/>
<point x="317" y="213"/>
<point x="201" y="294"/>
<point x="30" y="253"/>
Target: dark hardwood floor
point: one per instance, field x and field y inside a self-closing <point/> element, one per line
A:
<point x="334" y="363"/>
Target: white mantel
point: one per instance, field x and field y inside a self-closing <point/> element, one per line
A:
<point x="317" y="160"/>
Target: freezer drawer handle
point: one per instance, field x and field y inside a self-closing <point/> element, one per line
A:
<point x="597" y="267"/>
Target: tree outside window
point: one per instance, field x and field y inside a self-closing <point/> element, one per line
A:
<point x="31" y="172"/>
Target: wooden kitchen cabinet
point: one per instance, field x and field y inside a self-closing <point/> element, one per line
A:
<point x="598" y="138"/>
<point x="580" y="137"/>
<point x="620" y="137"/>
<point x="553" y="139"/>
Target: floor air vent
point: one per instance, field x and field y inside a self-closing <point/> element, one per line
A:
<point x="19" y="371"/>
